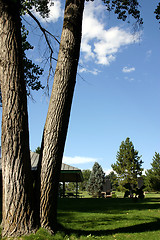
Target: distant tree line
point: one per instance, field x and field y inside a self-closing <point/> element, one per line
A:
<point x="126" y="174"/>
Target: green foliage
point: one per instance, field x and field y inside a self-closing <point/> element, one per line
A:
<point x="41" y="6"/>
<point x="70" y="187"/>
<point x="32" y="72"/>
<point x="83" y="185"/>
<point x="96" y="180"/>
<point x="113" y="180"/>
<point x="38" y="150"/>
<point x="152" y="180"/>
<point x="125" y="8"/>
<point x="128" y="164"/>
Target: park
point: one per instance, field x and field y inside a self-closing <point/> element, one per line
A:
<point x="123" y="103"/>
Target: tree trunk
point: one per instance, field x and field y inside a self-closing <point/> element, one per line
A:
<point x="56" y="125"/>
<point x="17" y="206"/>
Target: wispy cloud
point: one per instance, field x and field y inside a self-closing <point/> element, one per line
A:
<point x="98" y="44"/>
<point x="129" y="79"/>
<point x="94" y="71"/>
<point x="78" y="160"/>
<point x="148" y="54"/>
<point x="128" y="69"/>
<point x="55" y="12"/>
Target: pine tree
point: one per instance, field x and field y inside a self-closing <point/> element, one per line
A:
<point x="128" y="165"/>
<point x="96" y="180"/>
<point x="153" y="174"/>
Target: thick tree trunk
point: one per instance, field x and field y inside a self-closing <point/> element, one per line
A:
<point x="59" y="111"/>
<point x="16" y="168"/>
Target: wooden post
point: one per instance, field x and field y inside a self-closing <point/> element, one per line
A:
<point x="76" y="189"/>
<point x="63" y="189"/>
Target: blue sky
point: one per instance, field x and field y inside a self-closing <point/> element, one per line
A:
<point x="117" y="88"/>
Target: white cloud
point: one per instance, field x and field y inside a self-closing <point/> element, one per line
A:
<point x="129" y="79"/>
<point x="78" y="160"/>
<point x="94" y="71"/>
<point x="107" y="171"/>
<point x="55" y="12"/>
<point x="128" y="69"/>
<point x="99" y="44"/>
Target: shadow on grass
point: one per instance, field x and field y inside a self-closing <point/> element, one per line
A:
<point x="107" y="205"/>
<point x="138" y="228"/>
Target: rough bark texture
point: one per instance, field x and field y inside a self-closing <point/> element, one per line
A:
<point x="59" y="111"/>
<point x="16" y="168"/>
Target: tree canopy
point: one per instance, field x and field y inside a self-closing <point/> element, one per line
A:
<point x="152" y="179"/>
<point x="128" y="165"/>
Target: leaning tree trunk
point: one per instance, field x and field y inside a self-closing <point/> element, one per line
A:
<point x="56" y="125"/>
<point x="16" y="168"/>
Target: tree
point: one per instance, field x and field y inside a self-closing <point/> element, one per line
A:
<point x="128" y="165"/>
<point x="113" y="180"/>
<point x="83" y="185"/>
<point x="16" y="165"/>
<point x="56" y="125"/>
<point x="96" y="180"/>
<point x="153" y="174"/>
<point x="18" y="199"/>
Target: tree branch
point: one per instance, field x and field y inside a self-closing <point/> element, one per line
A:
<point x="45" y="32"/>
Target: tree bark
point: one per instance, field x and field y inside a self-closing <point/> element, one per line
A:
<point x="18" y="218"/>
<point x="56" y="125"/>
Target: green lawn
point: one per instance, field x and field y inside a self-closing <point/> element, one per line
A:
<point x="116" y="219"/>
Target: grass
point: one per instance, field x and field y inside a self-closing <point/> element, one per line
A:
<point x="111" y="219"/>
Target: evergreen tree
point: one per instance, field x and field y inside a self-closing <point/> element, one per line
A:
<point x="128" y="165"/>
<point x="153" y="174"/>
<point x="96" y="180"/>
